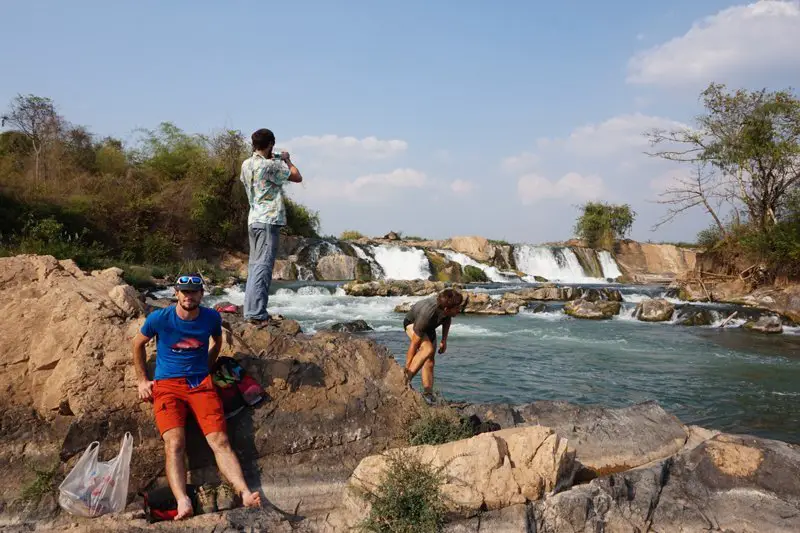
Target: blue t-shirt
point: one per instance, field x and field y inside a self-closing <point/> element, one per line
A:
<point x="182" y="345"/>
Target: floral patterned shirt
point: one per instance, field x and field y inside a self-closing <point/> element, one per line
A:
<point x="263" y="181"/>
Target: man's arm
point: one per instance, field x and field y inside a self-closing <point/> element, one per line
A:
<point x="213" y="350"/>
<point x="294" y="173"/>
<point x="445" y="331"/>
<point x="144" y="385"/>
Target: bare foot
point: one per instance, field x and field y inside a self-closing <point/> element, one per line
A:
<point x="184" y="508"/>
<point x="251" y="499"/>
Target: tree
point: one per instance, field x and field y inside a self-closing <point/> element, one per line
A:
<point x="600" y="224"/>
<point x="36" y="118"/>
<point x="749" y="142"/>
<point x="702" y="188"/>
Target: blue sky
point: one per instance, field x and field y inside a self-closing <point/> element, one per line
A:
<point x="458" y="118"/>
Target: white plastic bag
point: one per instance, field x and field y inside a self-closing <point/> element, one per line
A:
<point x="93" y="487"/>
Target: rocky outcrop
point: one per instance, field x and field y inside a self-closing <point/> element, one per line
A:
<point x="284" y="270"/>
<point x="655" y="310"/>
<point x="397" y="288"/>
<point x="645" y="262"/>
<point x="765" y="324"/>
<point x="598" y="310"/>
<point x="784" y="301"/>
<point x="488" y="472"/>
<point x="727" y="483"/>
<point x="478" y="304"/>
<point x="552" y="292"/>
<point x="587" y="257"/>
<point x="67" y="379"/>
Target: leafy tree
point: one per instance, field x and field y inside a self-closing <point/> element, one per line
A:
<point x="36" y="118"/>
<point x="748" y="143"/>
<point x="600" y="224"/>
<point x="300" y="220"/>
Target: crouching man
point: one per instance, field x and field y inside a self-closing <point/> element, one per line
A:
<point x="420" y="324"/>
<point x="182" y="382"/>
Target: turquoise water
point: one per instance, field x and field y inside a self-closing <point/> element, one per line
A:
<point x="727" y="379"/>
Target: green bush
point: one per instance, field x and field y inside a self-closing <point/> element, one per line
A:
<point x="407" y="499"/>
<point x="300" y="220"/>
<point x="709" y="237"/>
<point x="44" y="483"/>
<point x="600" y="224"/>
<point x="413" y="238"/>
<point x="473" y="274"/>
<point x="499" y="242"/>
<point x="437" y="426"/>
<point x="350" y="235"/>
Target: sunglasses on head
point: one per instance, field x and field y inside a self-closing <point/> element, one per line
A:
<point x="194" y="280"/>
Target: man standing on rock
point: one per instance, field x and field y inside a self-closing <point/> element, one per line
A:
<point x="182" y="381"/>
<point x="263" y="175"/>
<point x="420" y="324"/>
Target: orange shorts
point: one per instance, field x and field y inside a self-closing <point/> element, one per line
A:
<point x="172" y="396"/>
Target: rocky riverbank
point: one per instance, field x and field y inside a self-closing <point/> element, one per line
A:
<point x="335" y="403"/>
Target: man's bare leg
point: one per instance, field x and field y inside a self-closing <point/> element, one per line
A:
<point x="174" y="449"/>
<point x="427" y="375"/>
<point x="229" y="465"/>
<point x="426" y="351"/>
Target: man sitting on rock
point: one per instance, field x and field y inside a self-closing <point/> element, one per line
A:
<point x="182" y="381"/>
<point x="420" y="324"/>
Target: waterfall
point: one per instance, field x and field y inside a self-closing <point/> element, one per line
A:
<point x="552" y="263"/>
<point x="401" y="262"/>
<point x="609" y="265"/>
<point x="374" y="267"/>
<point x="491" y="272"/>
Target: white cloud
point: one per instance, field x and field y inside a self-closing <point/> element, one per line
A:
<point x="622" y="135"/>
<point x="462" y="186"/>
<point x="370" y="188"/>
<point x="524" y="162"/>
<point x="640" y="36"/>
<point x="344" y="148"/>
<point x="533" y="188"/>
<point x="761" y="37"/>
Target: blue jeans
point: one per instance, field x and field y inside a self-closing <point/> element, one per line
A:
<point x="263" y="249"/>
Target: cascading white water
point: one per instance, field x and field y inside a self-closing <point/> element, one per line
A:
<point x="491" y="272"/>
<point x="374" y="267"/>
<point x="609" y="266"/>
<point x="401" y="262"/>
<point x="552" y="263"/>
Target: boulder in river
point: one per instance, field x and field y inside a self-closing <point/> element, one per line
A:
<point x="765" y="324"/>
<point x="655" y="310"/>
<point x="592" y="310"/>
<point x="692" y="316"/>
<point x="355" y="326"/>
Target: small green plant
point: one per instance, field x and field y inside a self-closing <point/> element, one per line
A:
<point x="138" y="277"/>
<point x="438" y="425"/>
<point x="473" y="274"/>
<point x="350" y="235"/>
<point x="499" y="242"/>
<point x="408" y="498"/>
<point x="44" y="483"/>
<point x="414" y="238"/>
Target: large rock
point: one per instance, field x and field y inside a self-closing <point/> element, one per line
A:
<point x="604" y="439"/>
<point x="488" y="472"/>
<point x="355" y="326"/>
<point x="728" y="483"/>
<point x="336" y="267"/>
<point x="765" y="324"/>
<point x="655" y="310"/>
<point x="592" y="310"/>
<point x="476" y="247"/>
<point x="645" y="262"/>
<point x="442" y="269"/>
<point x="284" y="270"/>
